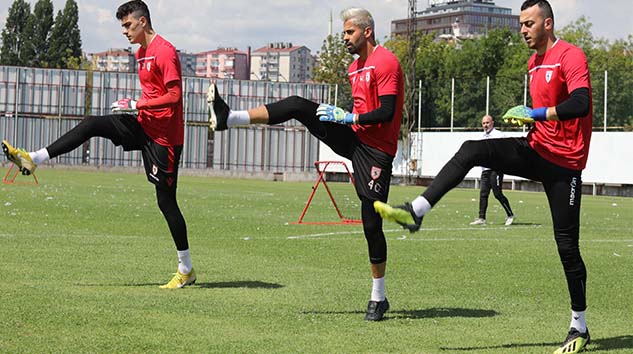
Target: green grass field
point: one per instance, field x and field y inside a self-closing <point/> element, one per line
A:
<point x="83" y="253"/>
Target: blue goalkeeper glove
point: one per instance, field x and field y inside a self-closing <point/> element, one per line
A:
<point x="521" y="115"/>
<point x="330" y="113"/>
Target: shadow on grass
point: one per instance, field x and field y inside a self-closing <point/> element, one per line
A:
<point x="417" y="314"/>
<point x="247" y="284"/>
<point x="501" y="225"/>
<point x="523" y="224"/>
<point x="597" y="344"/>
<point x="250" y="284"/>
<point x="439" y="312"/>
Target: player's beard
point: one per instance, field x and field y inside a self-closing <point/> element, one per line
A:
<point x="351" y="48"/>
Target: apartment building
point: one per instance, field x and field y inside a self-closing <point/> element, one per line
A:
<point x="282" y="62"/>
<point x="461" y="18"/>
<point x="223" y="63"/>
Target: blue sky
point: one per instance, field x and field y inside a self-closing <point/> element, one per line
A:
<point x="198" y="25"/>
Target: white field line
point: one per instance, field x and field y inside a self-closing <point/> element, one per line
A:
<point x="75" y="235"/>
<point x="421" y="235"/>
<point x="421" y="232"/>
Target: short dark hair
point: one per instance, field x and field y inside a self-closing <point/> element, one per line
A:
<point x="136" y="7"/>
<point x="545" y="7"/>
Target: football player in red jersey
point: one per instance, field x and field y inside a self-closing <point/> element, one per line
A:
<point x="367" y="134"/>
<point x="152" y="124"/>
<point x="554" y="152"/>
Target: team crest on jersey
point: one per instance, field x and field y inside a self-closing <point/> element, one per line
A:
<point x="148" y="66"/>
<point x="548" y="75"/>
<point x="154" y="169"/>
<point x="375" y="172"/>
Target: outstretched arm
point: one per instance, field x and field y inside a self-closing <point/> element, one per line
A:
<point x="384" y="113"/>
<point x="173" y="95"/>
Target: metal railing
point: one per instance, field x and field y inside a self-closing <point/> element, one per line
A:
<point x="38" y="105"/>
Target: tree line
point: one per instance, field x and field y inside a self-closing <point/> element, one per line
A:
<point x="35" y="39"/>
<point x="501" y="56"/>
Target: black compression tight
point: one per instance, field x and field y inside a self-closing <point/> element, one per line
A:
<point x="562" y="187"/>
<point x="169" y="207"/>
<point x="298" y="108"/>
<point x="89" y="127"/>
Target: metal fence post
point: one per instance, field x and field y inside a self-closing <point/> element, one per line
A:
<point x="487" y="95"/>
<point x="183" y="159"/>
<point x="606" y="79"/>
<point x="15" y="106"/>
<point x="452" y="101"/>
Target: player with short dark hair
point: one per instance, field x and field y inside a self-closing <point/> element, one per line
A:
<point x="554" y="152"/>
<point x="491" y="179"/>
<point x="157" y="130"/>
<point x="368" y="135"/>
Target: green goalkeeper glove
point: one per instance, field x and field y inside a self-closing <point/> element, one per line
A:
<point x="521" y="115"/>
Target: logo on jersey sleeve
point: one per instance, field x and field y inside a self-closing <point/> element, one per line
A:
<point x="548" y="75"/>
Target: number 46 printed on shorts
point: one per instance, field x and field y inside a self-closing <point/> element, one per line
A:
<point x="373" y="184"/>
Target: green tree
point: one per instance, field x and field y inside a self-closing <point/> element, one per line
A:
<point x="579" y="34"/>
<point x="431" y="72"/>
<point x="503" y="56"/>
<point x="466" y="66"/>
<point x="334" y="61"/>
<point x="472" y="64"/>
<point x="508" y="83"/>
<point x="41" y="25"/>
<point x="617" y="60"/>
<point x="15" y="35"/>
<point x="65" y="42"/>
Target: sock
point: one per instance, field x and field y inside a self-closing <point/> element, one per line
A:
<point x="420" y="206"/>
<point x="39" y="156"/>
<point x="184" y="262"/>
<point x="237" y="118"/>
<point x="378" y="289"/>
<point x="578" y="321"/>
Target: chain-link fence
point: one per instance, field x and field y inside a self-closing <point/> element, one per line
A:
<point x="37" y="106"/>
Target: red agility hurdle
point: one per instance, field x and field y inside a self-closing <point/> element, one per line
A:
<point x="10" y="179"/>
<point x="321" y="167"/>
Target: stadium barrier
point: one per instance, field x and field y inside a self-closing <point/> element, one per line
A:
<point x="609" y="169"/>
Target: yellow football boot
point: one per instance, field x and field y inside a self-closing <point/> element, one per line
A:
<point x="574" y="343"/>
<point x="180" y="280"/>
<point x="19" y="157"/>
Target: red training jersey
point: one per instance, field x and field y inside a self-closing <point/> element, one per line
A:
<point x="158" y="64"/>
<point x="379" y="75"/>
<point x="553" y="76"/>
